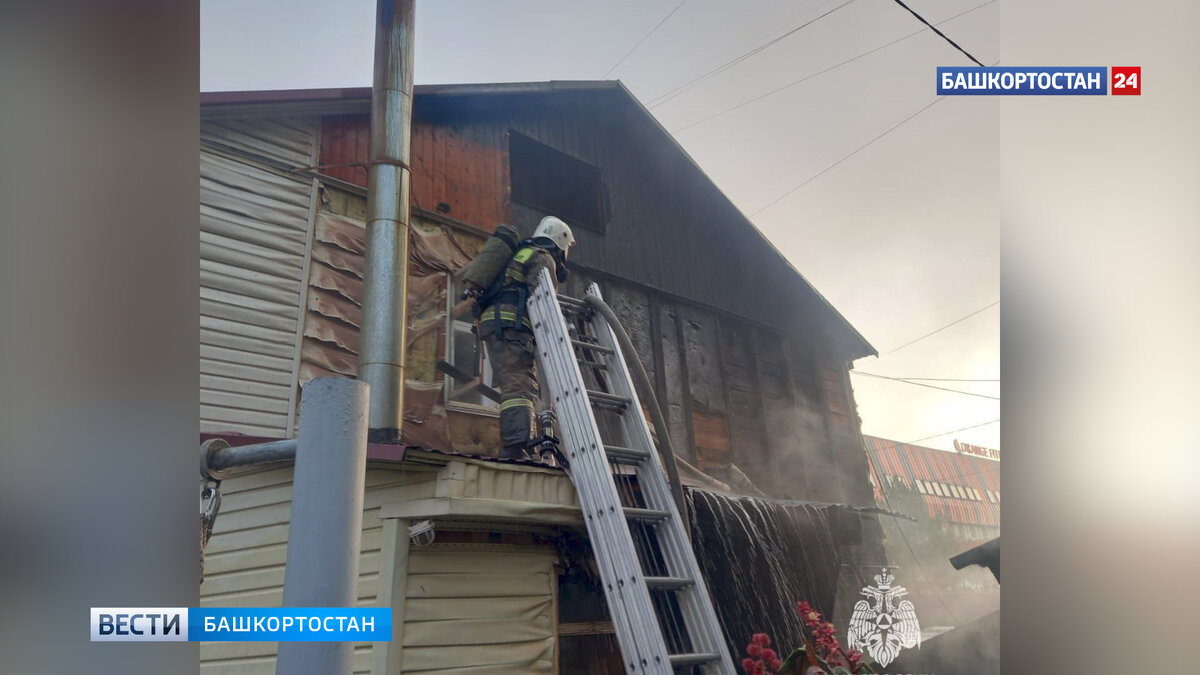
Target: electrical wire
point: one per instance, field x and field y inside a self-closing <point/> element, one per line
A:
<point x="921" y="384"/>
<point x="667" y="96"/>
<point x="644" y="38"/>
<point x="822" y="72"/>
<point x="953" y="431"/>
<point x="952" y="323"/>
<point x="855" y="152"/>
<point x="943" y="35"/>
<point x="947" y="379"/>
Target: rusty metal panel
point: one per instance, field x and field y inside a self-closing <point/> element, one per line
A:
<point x="254" y="223"/>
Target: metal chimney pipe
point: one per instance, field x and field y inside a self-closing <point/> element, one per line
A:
<point x="382" y="339"/>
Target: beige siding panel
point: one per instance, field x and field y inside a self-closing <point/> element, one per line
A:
<point x="275" y="139"/>
<point x="223" y="311"/>
<point x="241" y="343"/>
<point x="232" y="325"/>
<point x="248" y="387"/>
<point x="244" y="255"/>
<point x="217" y="223"/>
<point x="495" y="608"/>
<point x="254" y="224"/>
<point x="244" y="372"/>
<point x="246" y="556"/>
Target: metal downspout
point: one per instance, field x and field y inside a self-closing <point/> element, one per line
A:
<point x="385" y="269"/>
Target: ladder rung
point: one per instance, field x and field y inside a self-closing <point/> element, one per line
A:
<point x="625" y="455"/>
<point x="605" y="397"/>
<point x="568" y="300"/>
<point x="668" y="583"/>
<point x="588" y="345"/>
<point x="584" y="363"/>
<point x="646" y="514"/>
<point x="681" y="660"/>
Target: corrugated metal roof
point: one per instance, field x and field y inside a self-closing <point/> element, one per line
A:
<point x="911" y="463"/>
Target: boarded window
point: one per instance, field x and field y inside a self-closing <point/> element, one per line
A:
<point x="555" y="183"/>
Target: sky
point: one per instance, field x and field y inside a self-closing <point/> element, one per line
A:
<point x="897" y="226"/>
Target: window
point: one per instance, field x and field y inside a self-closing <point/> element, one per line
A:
<point x="946" y="490"/>
<point x="465" y="353"/>
<point x="555" y="183"/>
<point x="975" y="493"/>
<point x="956" y="492"/>
<point x="991" y="496"/>
<point x="937" y="490"/>
<point x="921" y="487"/>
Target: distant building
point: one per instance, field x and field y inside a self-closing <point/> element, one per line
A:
<point x="960" y="489"/>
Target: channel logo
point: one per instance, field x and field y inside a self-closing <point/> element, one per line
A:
<point x="139" y="624"/>
<point x="241" y="624"/>
<point x="1036" y="81"/>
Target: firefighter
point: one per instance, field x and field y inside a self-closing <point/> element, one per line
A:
<point x="505" y="327"/>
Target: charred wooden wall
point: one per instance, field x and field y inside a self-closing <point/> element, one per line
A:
<point x="667" y="226"/>
<point x="746" y="359"/>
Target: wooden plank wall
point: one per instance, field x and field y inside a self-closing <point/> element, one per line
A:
<point x="669" y="228"/>
<point x="741" y="380"/>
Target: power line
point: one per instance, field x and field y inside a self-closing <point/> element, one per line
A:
<point x="855" y="152"/>
<point x="667" y="96"/>
<point x="948" y="379"/>
<point x="952" y="323"/>
<point x="954" y="431"/>
<point x="943" y="35"/>
<point x="921" y="384"/>
<point x="644" y="38"/>
<point x="822" y="72"/>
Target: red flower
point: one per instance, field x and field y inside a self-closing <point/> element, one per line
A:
<point x="769" y="655"/>
<point x="776" y="664"/>
<point x="761" y="639"/>
<point x="748" y="664"/>
<point x="753" y="650"/>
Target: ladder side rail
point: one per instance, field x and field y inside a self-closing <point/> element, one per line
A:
<point x="555" y="367"/>
<point x="639" y="635"/>
<point x="695" y="602"/>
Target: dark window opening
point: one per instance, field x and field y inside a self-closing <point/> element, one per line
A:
<point x="555" y="183"/>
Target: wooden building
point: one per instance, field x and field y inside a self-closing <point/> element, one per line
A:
<point x="749" y="361"/>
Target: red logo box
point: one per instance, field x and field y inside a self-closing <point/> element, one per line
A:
<point x="1126" y="81"/>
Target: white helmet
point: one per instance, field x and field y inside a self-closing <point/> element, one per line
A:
<point x="556" y="231"/>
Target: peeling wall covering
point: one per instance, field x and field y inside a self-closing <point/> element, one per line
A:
<point x="333" y="314"/>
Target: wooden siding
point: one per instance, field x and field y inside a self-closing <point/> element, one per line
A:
<point x="457" y="170"/>
<point x="254" y="230"/>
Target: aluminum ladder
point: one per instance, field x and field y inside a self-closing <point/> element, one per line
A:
<point x="660" y="607"/>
